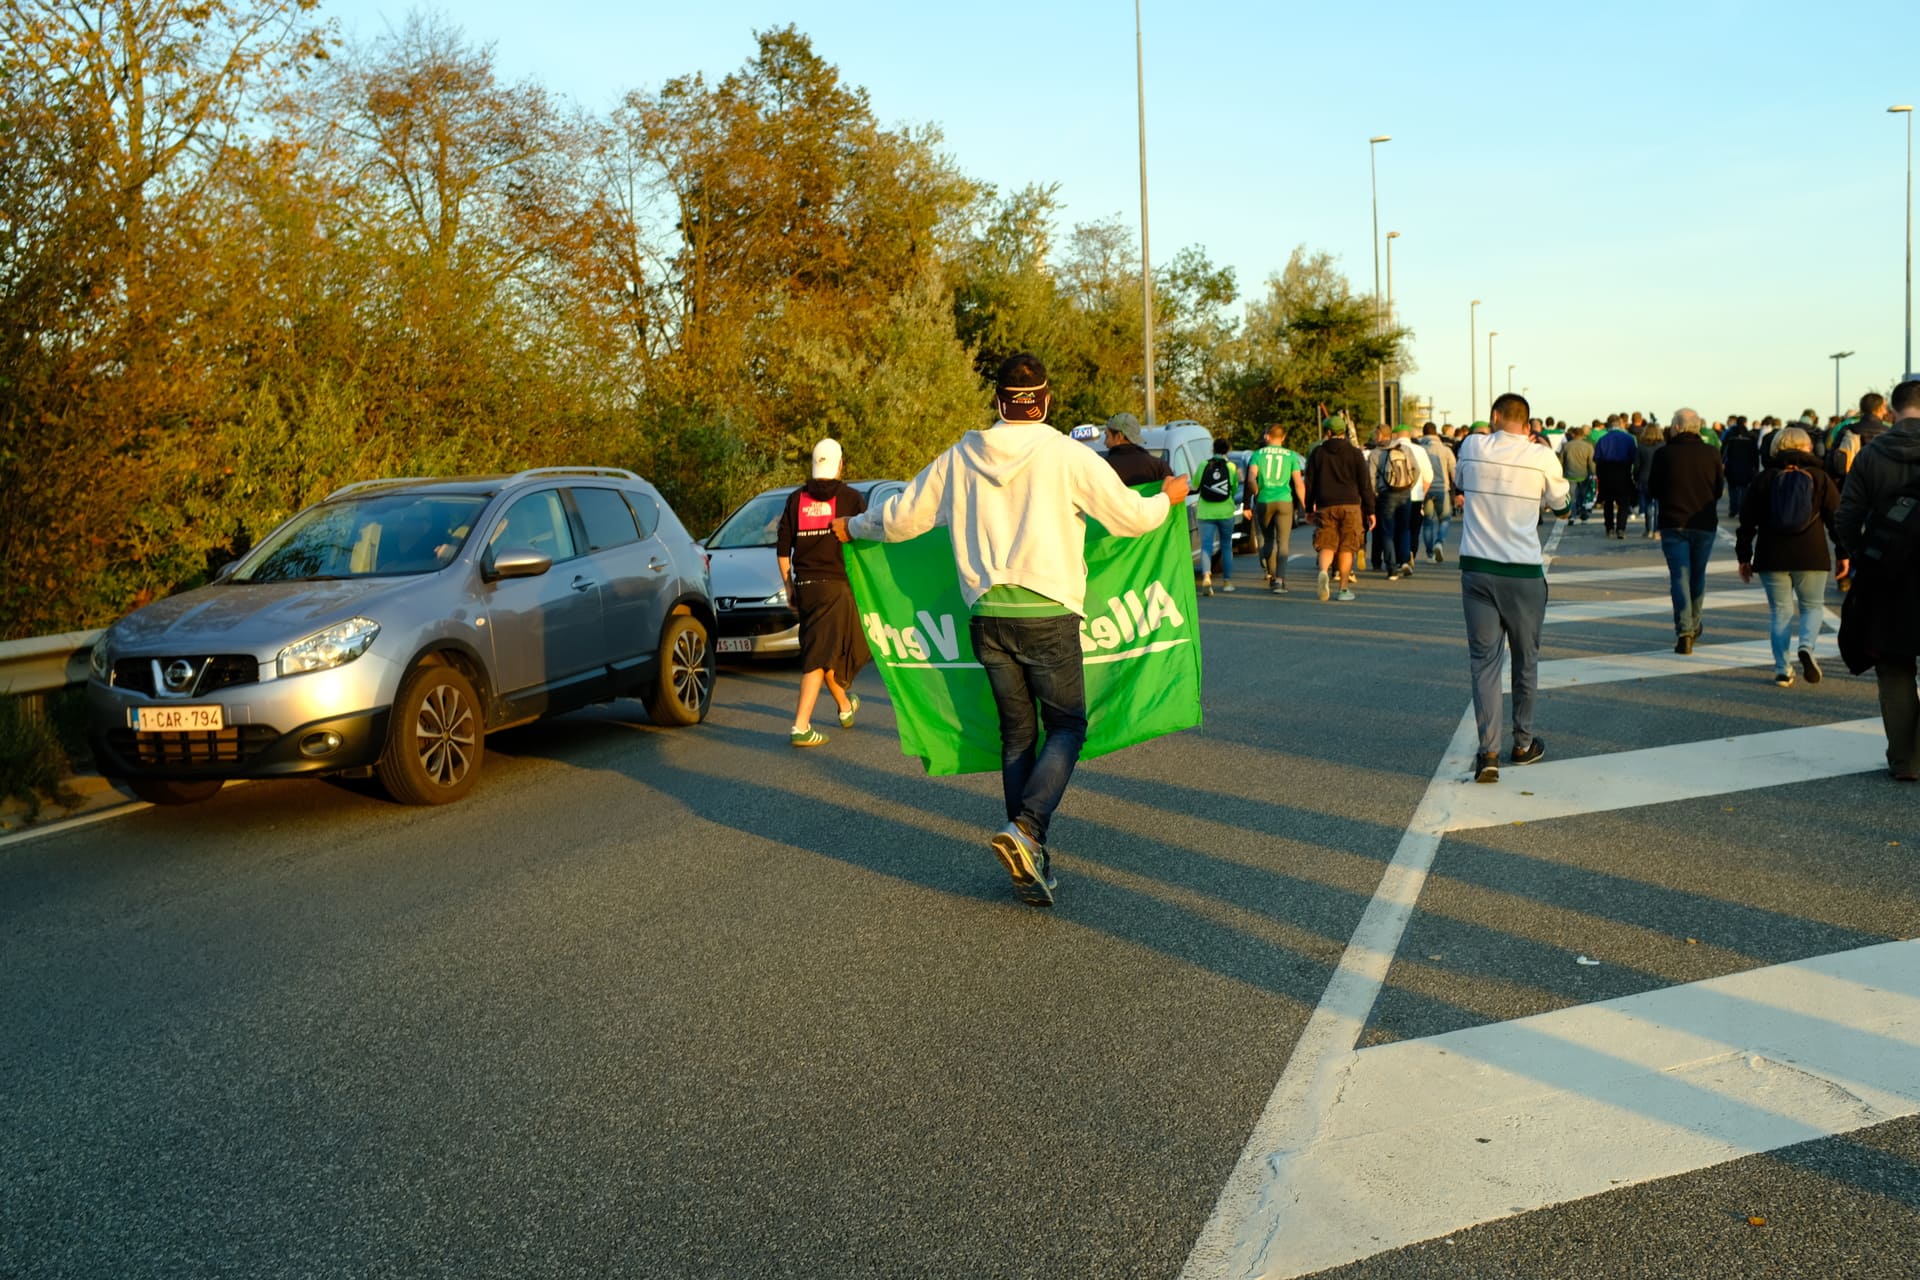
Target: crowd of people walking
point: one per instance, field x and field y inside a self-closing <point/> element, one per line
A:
<point x="1811" y="504"/>
<point x="1806" y="501"/>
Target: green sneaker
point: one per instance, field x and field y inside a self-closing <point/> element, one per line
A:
<point x="1027" y="862"/>
<point x="853" y="709"/>
<point x="811" y="738"/>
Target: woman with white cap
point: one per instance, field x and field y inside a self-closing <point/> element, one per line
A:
<point x="832" y="646"/>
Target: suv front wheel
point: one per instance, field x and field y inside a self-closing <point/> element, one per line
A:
<point x="436" y="738"/>
<point x="682" y="687"/>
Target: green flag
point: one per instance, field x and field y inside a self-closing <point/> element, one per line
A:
<point x="1140" y="643"/>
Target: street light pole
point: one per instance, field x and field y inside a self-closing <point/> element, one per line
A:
<point x="1491" y="335"/>
<point x="1391" y="237"/>
<point x="1146" y="253"/>
<point x="1373" y="176"/>
<point x="1473" y="364"/>
<point x="1907" y="370"/>
<point x="1509" y="377"/>
<point x="1837" y="357"/>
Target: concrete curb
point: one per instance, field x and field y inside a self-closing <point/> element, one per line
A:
<point x="98" y="799"/>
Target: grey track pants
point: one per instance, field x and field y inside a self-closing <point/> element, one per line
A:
<point x="1503" y="613"/>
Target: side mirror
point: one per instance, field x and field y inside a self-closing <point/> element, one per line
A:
<point x="225" y="571"/>
<point x="520" y="562"/>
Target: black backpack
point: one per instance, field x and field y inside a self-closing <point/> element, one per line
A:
<point x="1790" y="507"/>
<point x="1216" y="480"/>
<point x="1891" y="540"/>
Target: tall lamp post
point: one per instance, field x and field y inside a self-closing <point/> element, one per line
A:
<point x="1146" y="254"/>
<point x="1391" y="237"/>
<point x="1473" y="364"/>
<point x="1373" y="175"/>
<point x="1906" y="368"/>
<point x="1837" y="357"/>
<point x="1491" y="335"/>
<point x="1509" y="377"/>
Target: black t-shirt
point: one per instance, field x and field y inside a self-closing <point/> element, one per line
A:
<point x="1136" y="466"/>
<point x="806" y="528"/>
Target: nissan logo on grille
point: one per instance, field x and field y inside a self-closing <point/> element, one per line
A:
<point x="178" y="674"/>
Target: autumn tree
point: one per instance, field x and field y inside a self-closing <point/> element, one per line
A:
<point x="119" y="115"/>
<point x="1308" y="342"/>
<point x="774" y="255"/>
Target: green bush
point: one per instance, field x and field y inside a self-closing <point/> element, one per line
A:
<point x="33" y="767"/>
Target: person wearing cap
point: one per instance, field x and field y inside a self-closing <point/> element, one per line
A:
<point x="833" y="648"/>
<point x="1015" y="499"/>
<point x="1276" y="474"/>
<point x="1128" y="457"/>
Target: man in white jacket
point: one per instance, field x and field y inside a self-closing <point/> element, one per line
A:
<point x="1508" y="480"/>
<point x="1014" y="498"/>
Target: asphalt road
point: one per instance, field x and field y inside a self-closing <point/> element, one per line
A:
<point x="691" y="1003"/>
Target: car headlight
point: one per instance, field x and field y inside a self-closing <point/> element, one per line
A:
<point x="777" y="599"/>
<point x="324" y="650"/>
<point x="99" y="659"/>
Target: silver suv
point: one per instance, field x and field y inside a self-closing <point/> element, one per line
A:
<point x="388" y="629"/>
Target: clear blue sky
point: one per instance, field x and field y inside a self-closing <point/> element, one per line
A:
<point x="1690" y="202"/>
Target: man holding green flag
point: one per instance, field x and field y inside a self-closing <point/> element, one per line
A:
<point x="1014" y="499"/>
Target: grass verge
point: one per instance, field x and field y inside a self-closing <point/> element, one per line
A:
<point x="33" y="763"/>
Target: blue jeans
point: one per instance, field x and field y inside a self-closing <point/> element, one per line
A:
<point x="1396" y="523"/>
<point x="1802" y="592"/>
<point x="1212" y="533"/>
<point x="1686" y="551"/>
<point x="1433" y="530"/>
<point x="1649" y="509"/>
<point x="1029" y="661"/>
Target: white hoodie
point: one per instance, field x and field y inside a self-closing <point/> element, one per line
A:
<point x="1013" y="498"/>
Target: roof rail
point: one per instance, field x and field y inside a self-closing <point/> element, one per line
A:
<point x="615" y="473"/>
<point x="358" y="485"/>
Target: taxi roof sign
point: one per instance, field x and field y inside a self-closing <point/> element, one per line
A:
<point x="1087" y="431"/>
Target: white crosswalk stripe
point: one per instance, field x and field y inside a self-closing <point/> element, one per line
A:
<point x="1364" y="1150"/>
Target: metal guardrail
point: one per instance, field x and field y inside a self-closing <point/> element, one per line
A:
<point x="32" y="668"/>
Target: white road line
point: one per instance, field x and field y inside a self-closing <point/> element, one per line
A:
<point x="1436" y="1135"/>
<point x="1650" y="569"/>
<point x="59" y="825"/>
<point x="1662" y="775"/>
<point x="1256" y="1216"/>
<point x="1570" y="673"/>
<point x="1244" y="1221"/>
<point x="1636" y="606"/>
<point x="1249" y="1214"/>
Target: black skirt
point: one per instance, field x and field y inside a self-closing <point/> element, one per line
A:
<point x="830" y="634"/>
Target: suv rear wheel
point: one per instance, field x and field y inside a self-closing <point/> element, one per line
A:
<point x="435" y="738"/>
<point x="682" y="687"/>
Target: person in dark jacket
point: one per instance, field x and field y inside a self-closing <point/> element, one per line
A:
<point x="1878" y="529"/>
<point x="1340" y="498"/>
<point x="1614" y="454"/>
<point x="1128" y="457"/>
<point x="1652" y="438"/>
<point x="1792" y="562"/>
<point x="1740" y="452"/>
<point x="1687" y="481"/>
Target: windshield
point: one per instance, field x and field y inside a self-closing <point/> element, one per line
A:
<point x="381" y="535"/>
<point x="757" y="524"/>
